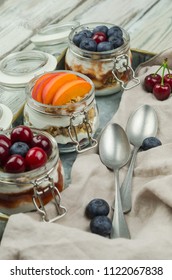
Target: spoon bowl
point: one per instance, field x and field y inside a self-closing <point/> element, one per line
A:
<point x="141" y="124"/>
<point x="114" y="151"/>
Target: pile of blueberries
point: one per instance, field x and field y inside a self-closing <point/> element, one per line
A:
<point x="97" y="210"/>
<point x="100" y="39"/>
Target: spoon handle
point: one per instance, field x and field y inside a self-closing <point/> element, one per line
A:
<point x="125" y="189"/>
<point x="119" y="225"/>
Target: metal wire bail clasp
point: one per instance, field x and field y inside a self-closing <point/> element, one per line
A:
<point x="122" y="66"/>
<point x="38" y="201"/>
<point x="74" y="136"/>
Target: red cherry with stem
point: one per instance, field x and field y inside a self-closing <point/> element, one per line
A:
<point x="15" y="164"/>
<point x="35" y="157"/>
<point x="4" y="154"/>
<point x="5" y="140"/>
<point x="168" y="79"/>
<point x="43" y="142"/>
<point x="21" y="133"/>
<point x="99" y="37"/>
<point x="151" y="80"/>
<point x="162" y="91"/>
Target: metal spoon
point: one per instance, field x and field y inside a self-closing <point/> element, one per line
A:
<point x="142" y="123"/>
<point x="114" y="151"/>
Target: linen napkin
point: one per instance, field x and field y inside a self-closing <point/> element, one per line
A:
<point x="149" y="222"/>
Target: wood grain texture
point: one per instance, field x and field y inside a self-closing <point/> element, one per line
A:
<point x="153" y="31"/>
<point x="148" y="22"/>
<point x="20" y="19"/>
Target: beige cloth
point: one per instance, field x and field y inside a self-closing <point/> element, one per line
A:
<point x="150" y="221"/>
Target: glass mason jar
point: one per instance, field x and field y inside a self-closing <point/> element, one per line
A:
<point x="6" y="117"/>
<point x="33" y="190"/>
<point x="16" y="70"/>
<point x="73" y="125"/>
<point x="109" y="70"/>
<point x="53" y="38"/>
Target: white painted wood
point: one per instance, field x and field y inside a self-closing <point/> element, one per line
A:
<point x="153" y="31"/>
<point x="20" y="19"/>
<point x="148" y="21"/>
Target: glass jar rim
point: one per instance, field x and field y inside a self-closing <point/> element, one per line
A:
<point x="17" y="69"/>
<point x="37" y="105"/>
<point x="94" y="54"/>
<point x="54" y="33"/>
<point x="6" y="117"/>
<point x="28" y="176"/>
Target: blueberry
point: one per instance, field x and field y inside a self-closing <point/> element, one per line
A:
<point x="150" y="142"/>
<point x="116" y="41"/>
<point x="101" y="225"/>
<point x="104" y="46"/>
<point x="97" y="207"/>
<point x="115" y="30"/>
<point x="19" y="148"/>
<point x="77" y="38"/>
<point x="87" y="33"/>
<point x="100" y="28"/>
<point x="88" y="44"/>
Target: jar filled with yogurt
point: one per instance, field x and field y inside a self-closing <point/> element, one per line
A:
<point x="102" y="52"/>
<point x="63" y="104"/>
<point x="30" y="180"/>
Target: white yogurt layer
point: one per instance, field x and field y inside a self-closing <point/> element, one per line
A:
<point x="45" y="122"/>
<point x="98" y="70"/>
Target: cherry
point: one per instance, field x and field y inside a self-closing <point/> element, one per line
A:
<point x="15" y="164"/>
<point x="151" y="80"/>
<point x="99" y="37"/>
<point x="21" y="133"/>
<point x="162" y="91"/>
<point x="168" y="79"/>
<point x="35" y="157"/>
<point x="43" y="142"/>
<point x="4" y="153"/>
<point x="5" y="140"/>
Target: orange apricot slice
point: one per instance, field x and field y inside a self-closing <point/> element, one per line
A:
<point x="39" y="80"/>
<point x="40" y="87"/>
<point x="70" y="91"/>
<point x="54" y="85"/>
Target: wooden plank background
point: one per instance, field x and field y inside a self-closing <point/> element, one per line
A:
<point x="148" y="22"/>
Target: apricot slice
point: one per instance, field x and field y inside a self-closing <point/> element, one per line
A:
<point x="37" y="83"/>
<point x="70" y="91"/>
<point x="40" y="87"/>
<point x="54" y="85"/>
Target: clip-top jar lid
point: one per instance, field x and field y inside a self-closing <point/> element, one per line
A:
<point x="54" y="34"/>
<point x="17" y="69"/>
<point x="6" y="117"/>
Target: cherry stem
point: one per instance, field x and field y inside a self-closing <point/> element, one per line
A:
<point x="158" y="69"/>
<point x="165" y="66"/>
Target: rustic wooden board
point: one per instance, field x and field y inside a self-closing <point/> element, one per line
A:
<point x="148" y="21"/>
<point x="153" y="31"/>
<point x="20" y="19"/>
